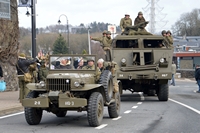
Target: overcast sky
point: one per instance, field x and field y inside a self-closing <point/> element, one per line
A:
<point x="108" y="11"/>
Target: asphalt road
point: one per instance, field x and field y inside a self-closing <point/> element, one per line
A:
<point x="139" y="114"/>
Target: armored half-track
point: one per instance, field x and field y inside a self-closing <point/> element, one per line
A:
<point x="69" y="87"/>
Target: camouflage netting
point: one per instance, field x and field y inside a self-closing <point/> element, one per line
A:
<point x="9" y="31"/>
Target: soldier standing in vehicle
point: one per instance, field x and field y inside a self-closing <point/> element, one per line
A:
<point x="140" y="19"/>
<point x="169" y="38"/>
<point x="22" y="68"/>
<point x="99" y="39"/>
<point x="126" y="21"/>
<point x="107" y="41"/>
<point x="165" y="41"/>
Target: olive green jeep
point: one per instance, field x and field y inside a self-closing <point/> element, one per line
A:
<point x="74" y="83"/>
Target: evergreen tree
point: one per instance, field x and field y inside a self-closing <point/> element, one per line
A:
<point x="60" y="46"/>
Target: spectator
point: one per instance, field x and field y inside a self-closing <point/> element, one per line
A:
<point x="1" y="72"/>
<point x="197" y="77"/>
<point x="173" y="73"/>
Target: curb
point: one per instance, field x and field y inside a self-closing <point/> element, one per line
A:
<point x="11" y="110"/>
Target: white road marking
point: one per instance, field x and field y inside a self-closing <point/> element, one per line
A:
<point x="101" y="126"/>
<point x="114" y="119"/>
<point x="141" y="96"/>
<point x="6" y="116"/>
<point x="134" y="107"/>
<point x="139" y="103"/>
<point x="191" y="108"/>
<point x="128" y="111"/>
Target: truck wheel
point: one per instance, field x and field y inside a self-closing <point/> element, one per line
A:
<point x="163" y="92"/>
<point x="33" y="115"/>
<point x="114" y="108"/>
<point x="61" y="113"/>
<point x="95" y="109"/>
<point x="107" y="82"/>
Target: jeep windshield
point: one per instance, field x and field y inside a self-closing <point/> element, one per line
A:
<point x="72" y="62"/>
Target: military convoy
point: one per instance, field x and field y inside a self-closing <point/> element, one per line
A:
<point x="140" y="62"/>
<point x="144" y="63"/>
<point x="72" y="89"/>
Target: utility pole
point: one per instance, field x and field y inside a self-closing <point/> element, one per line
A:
<point x="33" y="23"/>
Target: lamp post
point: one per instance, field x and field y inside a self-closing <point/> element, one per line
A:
<point x="67" y="30"/>
<point x="89" y="40"/>
<point x="31" y="4"/>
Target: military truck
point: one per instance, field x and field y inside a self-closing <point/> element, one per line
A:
<point x="144" y="63"/>
<point x="69" y="87"/>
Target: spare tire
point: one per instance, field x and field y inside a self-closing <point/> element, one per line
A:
<point x="107" y="82"/>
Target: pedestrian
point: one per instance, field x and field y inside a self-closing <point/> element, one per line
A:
<point x="197" y="77"/>
<point x="126" y="21"/>
<point x="173" y="73"/>
<point x="23" y="68"/>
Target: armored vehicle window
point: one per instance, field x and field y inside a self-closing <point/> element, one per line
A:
<point x="126" y="44"/>
<point x="153" y="44"/>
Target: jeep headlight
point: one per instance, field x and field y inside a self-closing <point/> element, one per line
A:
<point x="123" y="60"/>
<point x="41" y="84"/>
<point x="76" y="84"/>
<point x="162" y="60"/>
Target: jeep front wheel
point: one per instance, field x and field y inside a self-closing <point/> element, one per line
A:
<point x="33" y="115"/>
<point x="114" y="108"/>
<point x="163" y="92"/>
<point x="95" y="109"/>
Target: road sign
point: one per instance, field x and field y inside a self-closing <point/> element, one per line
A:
<point x="5" y="9"/>
<point x="112" y="29"/>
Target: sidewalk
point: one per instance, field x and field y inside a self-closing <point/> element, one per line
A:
<point x="9" y="102"/>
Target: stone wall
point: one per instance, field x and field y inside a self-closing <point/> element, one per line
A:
<point x="186" y="73"/>
<point x="9" y="34"/>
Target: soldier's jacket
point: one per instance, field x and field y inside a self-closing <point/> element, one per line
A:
<point x="125" y="22"/>
<point x="170" y="40"/>
<point x="165" y="42"/>
<point x="89" y="67"/>
<point x="43" y="72"/>
<point x="99" y="39"/>
<point x="139" y="20"/>
<point x="107" y="42"/>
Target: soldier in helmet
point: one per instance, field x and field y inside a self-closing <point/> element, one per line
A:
<point x="107" y="41"/>
<point x="22" y="68"/>
<point x="43" y="71"/>
<point x="169" y="38"/>
<point x="99" y="39"/>
<point x="124" y="22"/>
<point x="140" y="19"/>
<point x="165" y="42"/>
<point x="90" y="65"/>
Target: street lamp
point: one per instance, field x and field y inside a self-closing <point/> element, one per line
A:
<point x="89" y="40"/>
<point x="31" y="4"/>
<point x="67" y="30"/>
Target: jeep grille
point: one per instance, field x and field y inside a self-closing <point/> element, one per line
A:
<point x="58" y="84"/>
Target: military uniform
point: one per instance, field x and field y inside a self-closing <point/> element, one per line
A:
<point x="99" y="39"/>
<point x="88" y="67"/>
<point x="140" y="20"/>
<point x="124" y="22"/>
<point x="170" y="39"/>
<point x="106" y="46"/>
<point x="22" y="68"/>
<point x="43" y="71"/>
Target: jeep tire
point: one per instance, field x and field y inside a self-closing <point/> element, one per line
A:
<point x="95" y="109"/>
<point x="114" y="108"/>
<point x="33" y="115"/>
<point x="107" y="82"/>
<point x="163" y="92"/>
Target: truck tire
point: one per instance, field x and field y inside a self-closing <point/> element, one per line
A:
<point x="95" y="109"/>
<point x="114" y="108"/>
<point x="107" y="82"/>
<point x="163" y="92"/>
<point x="61" y="114"/>
<point x="33" y="115"/>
